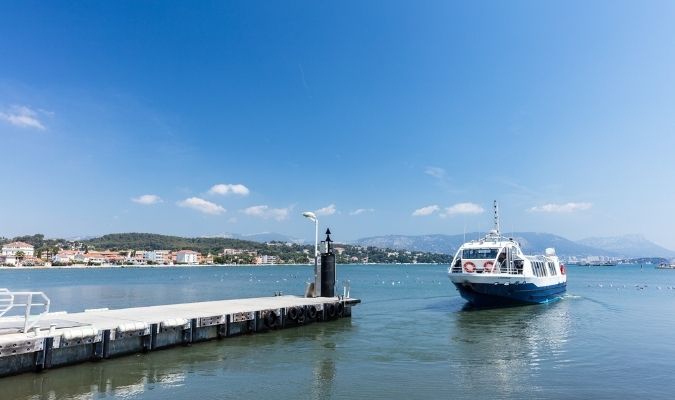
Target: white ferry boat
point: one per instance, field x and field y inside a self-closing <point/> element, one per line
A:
<point x="493" y="272"/>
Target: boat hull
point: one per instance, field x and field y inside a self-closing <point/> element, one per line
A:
<point x="499" y="295"/>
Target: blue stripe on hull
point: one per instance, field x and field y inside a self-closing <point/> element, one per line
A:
<point x="491" y="295"/>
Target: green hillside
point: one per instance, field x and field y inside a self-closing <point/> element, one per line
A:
<point x="287" y="252"/>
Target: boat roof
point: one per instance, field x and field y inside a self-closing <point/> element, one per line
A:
<point x="491" y="240"/>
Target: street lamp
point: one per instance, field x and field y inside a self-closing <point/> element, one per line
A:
<point x="312" y="217"/>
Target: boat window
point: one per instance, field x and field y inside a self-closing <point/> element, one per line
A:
<point x="479" y="253"/>
<point x="539" y="268"/>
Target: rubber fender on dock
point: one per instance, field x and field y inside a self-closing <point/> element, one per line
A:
<point x="174" y="323"/>
<point x="271" y="319"/>
<point x="293" y="313"/>
<point x="331" y="310"/>
<point x="311" y="312"/>
<point x="301" y="315"/>
<point x="80" y="333"/>
<point x="341" y="309"/>
<point x="132" y="327"/>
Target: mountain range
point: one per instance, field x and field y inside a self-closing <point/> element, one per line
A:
<point x="627" y="246"/>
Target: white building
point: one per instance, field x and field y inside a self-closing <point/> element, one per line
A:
<point x="7" y="260"/>
<point x="237" y="252"/>
<point x="158" y="256"/>
<point x="10" y="249"/>
<point x="65" y="256"/>
<point x="186" y="257"/>
<point x="92" y="257"/>
<point x="232" y="252"/>
<point x="266" y="260"/>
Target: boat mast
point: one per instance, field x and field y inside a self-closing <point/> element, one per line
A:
<point x="496" y="208"/>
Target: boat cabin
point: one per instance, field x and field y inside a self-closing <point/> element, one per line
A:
<point x="492" y="254"/>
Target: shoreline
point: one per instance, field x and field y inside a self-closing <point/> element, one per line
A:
<point x="187" y="266"/>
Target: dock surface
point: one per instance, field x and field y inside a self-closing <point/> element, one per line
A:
<point x="61" y="338"/>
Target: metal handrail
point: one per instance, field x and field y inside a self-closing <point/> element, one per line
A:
<point x="6" y="301"/>
<point x="10" y="300"/>
<point x="345" y="289"/>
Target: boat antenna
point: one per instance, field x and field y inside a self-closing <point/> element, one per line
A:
<point x="496" y="217"/>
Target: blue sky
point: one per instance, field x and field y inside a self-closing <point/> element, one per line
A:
<point x="388" y="117"/>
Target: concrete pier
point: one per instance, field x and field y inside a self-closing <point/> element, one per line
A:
<point x="62" y="338"/>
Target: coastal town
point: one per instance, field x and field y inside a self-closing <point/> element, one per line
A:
<point x="24" y="254"/>
<point x="62" y="253"/>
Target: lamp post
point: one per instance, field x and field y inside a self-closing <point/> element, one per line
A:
<point x="312" y="217"/>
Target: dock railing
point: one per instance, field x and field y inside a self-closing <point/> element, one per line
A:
<point x="27" y="300"/>
<point x="345" y="289"/>
<point x="6" y="301"/>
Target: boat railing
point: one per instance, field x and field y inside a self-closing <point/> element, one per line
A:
<point x="511" y="267"/>
<point x="27" y="301"/>
<point x="456" y="267"/>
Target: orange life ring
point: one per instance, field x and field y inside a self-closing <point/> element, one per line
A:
<point x="469" y="266"/>
<point x="562" y="269"/>
<point x="488" y="266"/>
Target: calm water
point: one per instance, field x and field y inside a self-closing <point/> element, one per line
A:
<point x="613" y="336"/>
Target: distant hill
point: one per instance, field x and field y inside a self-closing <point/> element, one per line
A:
<point x="286" y="251"/>
<point x="628" y="246"/>
<point x="262" y="237"/>
<point x="531" y="242"/>
<point x="152" y="241"/>
<point x="265" y="237"/>
<point x="442" y="244"/>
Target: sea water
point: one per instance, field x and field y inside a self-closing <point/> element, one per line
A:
<point x="612" y="336"/>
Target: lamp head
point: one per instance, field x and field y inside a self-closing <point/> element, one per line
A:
<point x="310" y="215"/>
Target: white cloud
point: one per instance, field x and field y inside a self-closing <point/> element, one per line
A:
<point x="266" y="212"/>
<point x="424" y="211"/>
<point x="225" y="189"/>
<point x="328" y="210"/>
<point x="147" y="199"/>
<point x="436" y="172"/>
<point x="22" y="117"/>
<point x="202" y="205"/>
<point x="359" y="211"/>
<point x="561" y="208"/>
<point x="462" y="208"/>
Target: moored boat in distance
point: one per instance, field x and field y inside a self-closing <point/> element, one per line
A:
<point x="665" y="266"/>
<point x="494" y="272"/>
